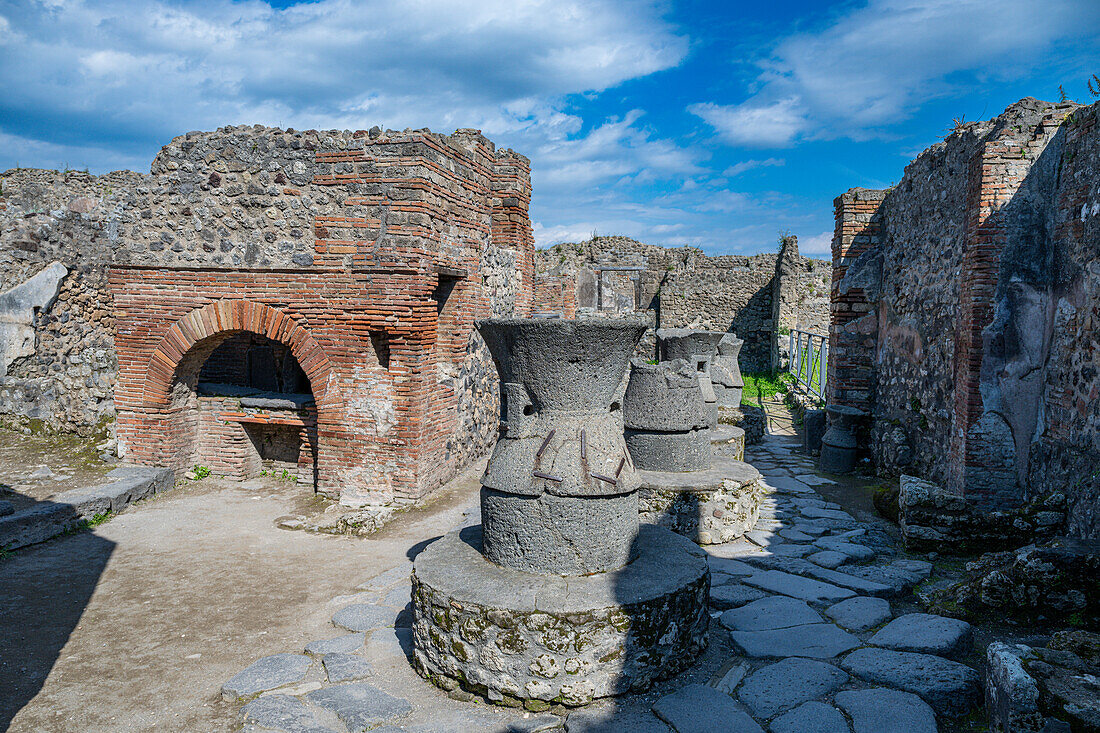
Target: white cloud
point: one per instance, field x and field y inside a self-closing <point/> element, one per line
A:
<point x="770" y="125"/>
<point x="817" y="245"/>
<point x="747" y="165"/>
<point x="873" y="66"/>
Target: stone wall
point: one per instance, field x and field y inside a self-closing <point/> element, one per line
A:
<point x="407" y="235"/>
<point x="685" y="288"/>
<point x="964" y="311"/>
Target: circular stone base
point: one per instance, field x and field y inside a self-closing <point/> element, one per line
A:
<point x="513" y="636"/>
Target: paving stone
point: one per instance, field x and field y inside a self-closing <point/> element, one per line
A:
<point x="364" y="617"/>
<point x="343" y="667"/>
<point x="360" y="706"/>
<point x="796" y="586"/>
<point x="923" y="632"/>
<point x="732" y="678"/>
<point x="817" y="641"/>
<point x="860" y="613"/>
<point x="282" y="713"/>
<point x="790" y="550"/>
<point x="346" y="644"/>
<point x="811" y="512"/>
<point x="949" y="687"/>
<point x="399" y="574"/>
<point x="783" y="685"/>
<point x="811" y="717"/>
<point x="795" y="535"/>
<point x="813" y="479"/>
<point x="398" y="597"/>
<point x="732" y="595"/>
<point x="728" y="566"/>
<point x="739" y="548"/>
<point x="901" y="575"/>
<point x="887" y="711"/>
<point x="609" y="718"/>
<point x="851" y="549"/>
<point x="266" y="674"/>
<point x="773" y="612"/>
<point x="787" y="484"/>
<point x="828" y="559"/>
<point x="809" y="528"/>
<point x="849" y="580"/>
<point x="703" y="709"/>
<point x="762" y="537"/>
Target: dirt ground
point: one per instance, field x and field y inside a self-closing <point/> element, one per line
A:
<point x="38" y="467"/>
<point x="134" y="625"/>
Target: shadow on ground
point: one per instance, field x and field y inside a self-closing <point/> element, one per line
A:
<point x="44" y="591"/>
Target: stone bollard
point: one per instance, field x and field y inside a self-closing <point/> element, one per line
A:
<point x="664" y="411"/>
<point x="839" y="444"/>
<point x="561" y="595"/>
<point x="813" y="426"/>
<point x="725" y="371"/>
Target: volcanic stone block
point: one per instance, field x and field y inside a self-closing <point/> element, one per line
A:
<point x="560" y="446"/>
<point x="694" y="346"/>
<point x="725" y="372"/>
<point x="666" y="416"/>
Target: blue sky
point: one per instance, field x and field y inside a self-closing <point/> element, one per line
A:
<point x="713" y="124"/>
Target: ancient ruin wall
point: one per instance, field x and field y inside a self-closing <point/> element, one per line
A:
<point x="686" y="288"/>
<point x="278" y="201"/>
<point x="979" y="290"/>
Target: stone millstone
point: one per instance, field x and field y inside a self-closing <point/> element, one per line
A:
<point x="568" y="640"/>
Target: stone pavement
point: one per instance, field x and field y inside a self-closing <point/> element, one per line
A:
<point x="807" y="600"/>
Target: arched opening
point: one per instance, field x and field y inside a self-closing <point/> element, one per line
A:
<point x="248" y="406"/>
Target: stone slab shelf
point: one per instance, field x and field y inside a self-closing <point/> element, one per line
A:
<point x="47" y="519"/>
<point x="714" y="505"/>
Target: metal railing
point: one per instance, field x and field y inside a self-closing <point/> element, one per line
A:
<point x="809" y="358"/>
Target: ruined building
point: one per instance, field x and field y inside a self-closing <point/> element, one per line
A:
<point x="301" y="298"/>
<point x="965" y="320"/>
<point x="757" y="297"/>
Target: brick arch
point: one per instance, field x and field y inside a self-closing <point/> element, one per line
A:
<point x="225" y="316"/>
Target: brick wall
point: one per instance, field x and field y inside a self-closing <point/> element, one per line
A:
<point x="556" y="295"/>
<point x="853" y="329"/>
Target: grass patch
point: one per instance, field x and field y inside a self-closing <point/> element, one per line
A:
<point x="89" y="523"/>
<point x="764" y="386"/>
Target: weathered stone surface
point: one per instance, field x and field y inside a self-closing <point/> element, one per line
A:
<point x="732" y="678"/>
<point x="364" y="617"/>
<point x="860" y="613"/>
<point x="828" y="559"/>
<point x="922" y="632"/>
<point x="663" y="397"/>
<point x="610" y="719"/>
<point x="343" y="667"/>
<point x="715" y="505"/>
<point x="346" y="644"/>
<point x="547" y="637"/>
<point x="732" y="595"/>
<point x="282" y="713"/>
<point x="773" y="612"/>
<point x="728" y="566"/>
<point x="266" y="674"/>
<point x="1011" y="694"/>
<point x="394" y="575"/>
<point x="796" y="586"/>
<point x="703" y="709"/>
<point x="949" y="687"/>
<point x="360" y="706"/>
<point x="787" y="485"/>
<point x="887" y="711"/>
<point x="811" y="717"/>
<point x="783" y="685"/>
<point x="852" y="550"/>
<point x="817" y="641"/>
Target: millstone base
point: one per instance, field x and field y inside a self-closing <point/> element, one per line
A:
<point x="731" y="438"/>
<point x="715" y="505"/>
<point x="515" y="637"/>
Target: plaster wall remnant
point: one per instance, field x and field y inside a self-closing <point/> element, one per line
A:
<point x="367" y="255"/>
<point x="18" y="307"/>
<point x="964" y="315"/>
